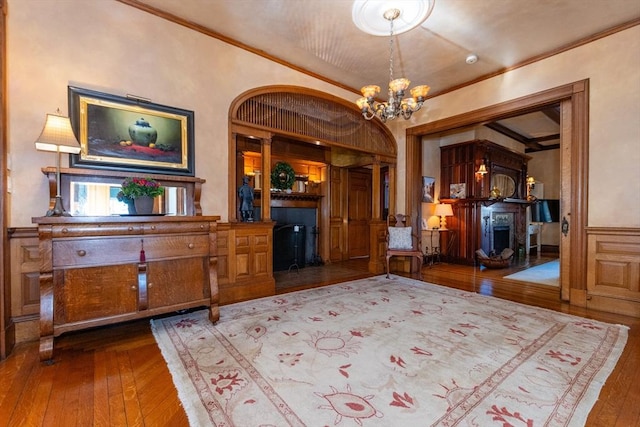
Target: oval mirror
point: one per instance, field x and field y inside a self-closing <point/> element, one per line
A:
<point x="504" y="183"/>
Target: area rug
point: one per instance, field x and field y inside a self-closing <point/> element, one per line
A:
<point x="387" y="352"/>
<point x="544" y="274"/>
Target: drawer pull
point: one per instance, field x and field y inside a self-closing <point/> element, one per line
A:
<point x="191" y="246"/>
<point x="65" y="230"/>
<point x="81" y="252"/>
<point x="153" y="227"/>
<point x="130" y="228"/>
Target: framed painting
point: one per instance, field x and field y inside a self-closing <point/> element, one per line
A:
<point x="458" y="191"/>
<point x="130" y="134"/>
<point x="428" y="189"/>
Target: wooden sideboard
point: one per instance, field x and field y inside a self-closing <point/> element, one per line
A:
<point x="96" y="271"/>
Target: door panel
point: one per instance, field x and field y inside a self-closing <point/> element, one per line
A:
<point x="359" y="199"/>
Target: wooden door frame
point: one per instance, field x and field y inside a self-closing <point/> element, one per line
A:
<point x="574" y="121"/>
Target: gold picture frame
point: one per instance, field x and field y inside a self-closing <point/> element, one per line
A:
<point x="126" y="133"/>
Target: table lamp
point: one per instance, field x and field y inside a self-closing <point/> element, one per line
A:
<point x="443" y="210"/>
<point x="57" y="136"/>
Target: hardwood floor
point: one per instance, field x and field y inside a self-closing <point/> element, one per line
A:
<point x="116" y="376"/>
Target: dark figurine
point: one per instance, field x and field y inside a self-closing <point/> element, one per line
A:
<point x="245" y="193"/>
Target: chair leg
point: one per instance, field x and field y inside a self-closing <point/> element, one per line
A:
<point x="388" y="257"/>
<point x="420" y="261"/>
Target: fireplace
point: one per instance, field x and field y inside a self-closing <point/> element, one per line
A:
<point x="292" y="237"/>
<point x="502" y="231"/>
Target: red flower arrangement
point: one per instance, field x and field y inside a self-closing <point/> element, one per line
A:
<point x="136" y="187"/>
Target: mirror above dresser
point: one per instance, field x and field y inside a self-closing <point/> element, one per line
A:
<point x="88" y="192"/>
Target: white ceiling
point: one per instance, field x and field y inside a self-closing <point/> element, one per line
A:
<point x="320" y="37"/>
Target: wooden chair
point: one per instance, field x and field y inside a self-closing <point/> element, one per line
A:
<point x="401" y="241"/>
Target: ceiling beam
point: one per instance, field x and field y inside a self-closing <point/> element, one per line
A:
<point x="530" y="143"/>
<point x="553" y="114"/>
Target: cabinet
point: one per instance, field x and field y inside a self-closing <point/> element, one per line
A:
<point x="96" y="271"/>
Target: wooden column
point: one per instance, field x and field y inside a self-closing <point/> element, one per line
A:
<point x="393" y="188"/>
<point x="265" y="203"/>
<point x="376" y="208"/>
<point x="413" y="196"/>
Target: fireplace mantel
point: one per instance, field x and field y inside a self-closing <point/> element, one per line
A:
<point x="281" y="199"/>
<point x="488" y="201"/>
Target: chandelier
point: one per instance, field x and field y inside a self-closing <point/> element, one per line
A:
<point x="397" y="105"/>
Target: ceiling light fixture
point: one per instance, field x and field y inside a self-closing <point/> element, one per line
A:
<point x="396" y="105"/>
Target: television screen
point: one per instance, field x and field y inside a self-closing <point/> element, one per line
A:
<point x="546" y="210"/>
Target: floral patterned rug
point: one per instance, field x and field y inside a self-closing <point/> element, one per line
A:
<point x="387" y="352"/>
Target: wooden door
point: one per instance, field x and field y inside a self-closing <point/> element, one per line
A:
<point x="359" y="205"/>
<point x="177" y="281"/>
<point x="85" y="294"/>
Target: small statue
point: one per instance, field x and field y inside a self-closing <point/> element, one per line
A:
<point x="245" y="193"/>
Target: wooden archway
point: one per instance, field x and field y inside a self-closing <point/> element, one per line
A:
<point x="308" y="116"/>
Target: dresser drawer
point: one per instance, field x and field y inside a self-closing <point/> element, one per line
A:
<point x="176" y="227"/>
<point x="186" y="245"/>
<point x="86" y="230"/>
<point x="107" y="251"/>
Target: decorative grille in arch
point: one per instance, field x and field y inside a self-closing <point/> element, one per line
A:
<point x="301" y="111"/>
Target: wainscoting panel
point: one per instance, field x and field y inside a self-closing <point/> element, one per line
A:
<point x="25" y="283"/>
<point x="245" y="261"/>
<point x="613" y="270"/>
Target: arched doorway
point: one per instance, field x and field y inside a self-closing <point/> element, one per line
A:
<point x="307" y="127"/>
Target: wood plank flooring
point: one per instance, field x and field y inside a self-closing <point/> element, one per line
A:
<point x="116" y="376"/>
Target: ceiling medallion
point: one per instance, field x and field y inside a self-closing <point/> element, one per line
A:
<point x="368" y="15"/>
<point x="397" y="105"/>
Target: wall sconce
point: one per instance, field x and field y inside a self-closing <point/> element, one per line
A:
<point x="482" y="170"/>
<point x="57" y="136"/>
<point x="443" y="210"/>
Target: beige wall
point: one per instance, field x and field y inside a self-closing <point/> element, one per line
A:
<point x="614" y="127"/>
<point x="108" y="46"/>
<point x="114" y="48"/>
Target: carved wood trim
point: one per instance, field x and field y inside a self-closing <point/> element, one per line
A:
<point x="7" y="327"/>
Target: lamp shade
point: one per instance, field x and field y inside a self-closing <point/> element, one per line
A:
<point x="57" y="136"/>
<point x="443" y="209"/>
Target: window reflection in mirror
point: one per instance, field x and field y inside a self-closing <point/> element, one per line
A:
<point x="101" y="199"/>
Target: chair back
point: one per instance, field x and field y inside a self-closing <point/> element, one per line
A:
<point x="400" y="233"/>
<point x="398" y="220"/>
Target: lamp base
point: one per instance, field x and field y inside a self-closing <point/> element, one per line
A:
<point x="58" y="209"/>
<point x="443" y="223"/>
